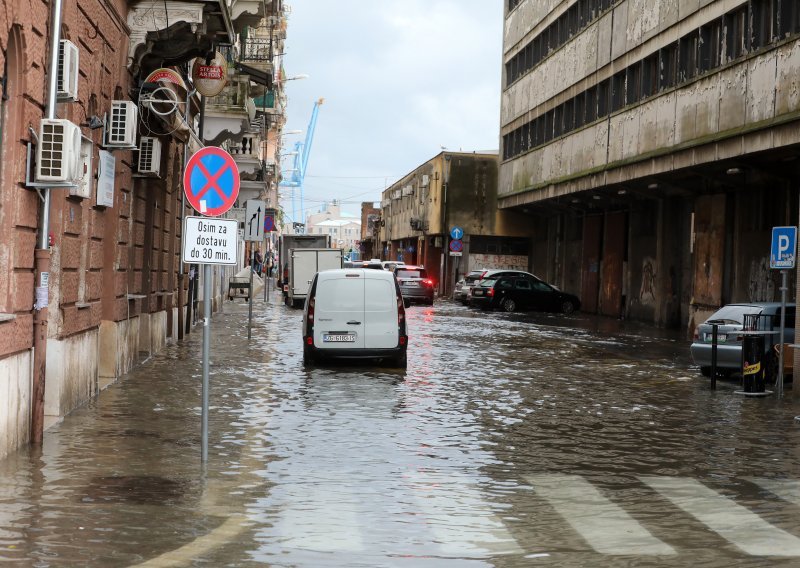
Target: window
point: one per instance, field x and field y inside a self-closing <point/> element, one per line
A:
<point x="632" y="83"/>
<point x="591" y="104"/>
<point x="650" y="76"/>
<point x="763" y="20"/>
<point x="558" y="121"/>
<point x="736" y="38"/>
<point x="668" y="65"/>
<point x="788" y="18"/>
<point x="504" y="283"/>
<point x="525" y="137"/>
<point x="618" y="91"/>
<point x="580" y="110"/>
<point x="603" y="98"/>
<point x="709" y="46"/>
<point x="687" y="53"/>
<point x="522" y="284"/>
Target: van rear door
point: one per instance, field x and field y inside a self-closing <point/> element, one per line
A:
<point x="380" y="312"/>
<point x="339" y="311"/>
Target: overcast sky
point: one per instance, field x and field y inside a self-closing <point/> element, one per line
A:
<point x="400" y="79"/>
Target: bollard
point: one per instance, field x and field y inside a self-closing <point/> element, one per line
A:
<point x="752" y="368"/>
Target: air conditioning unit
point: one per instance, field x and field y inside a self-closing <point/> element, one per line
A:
<point x="149" y="155"/>
<point x="58" y="152"/>
<point x="408" y="190"/>
<point x="121" y="127"/>
<point x="67" y="79"/>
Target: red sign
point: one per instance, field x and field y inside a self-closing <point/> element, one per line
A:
<point x="211" y="181"/>
<point x="209" y="72"/>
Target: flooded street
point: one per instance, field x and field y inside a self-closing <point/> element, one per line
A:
<point x="511" y="440"/>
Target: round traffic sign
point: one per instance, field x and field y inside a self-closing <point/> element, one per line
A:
<point x="456" y="233"/>
<point x="456" y="245"/>
<point x="211" y="181"/>
<point x="269" y="223"/>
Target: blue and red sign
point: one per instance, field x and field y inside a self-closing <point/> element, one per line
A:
<point x="211" y="181"/>
<point x="269" y="223"/>
<point x="456" y="245"/>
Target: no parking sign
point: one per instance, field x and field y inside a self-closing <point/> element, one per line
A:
<point x="211" y="181"/>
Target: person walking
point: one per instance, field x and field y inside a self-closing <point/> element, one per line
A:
<point x="258" y="261"/>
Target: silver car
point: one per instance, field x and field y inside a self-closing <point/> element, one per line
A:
<point x="730" y="321"/>
<point x="463" y="286"/>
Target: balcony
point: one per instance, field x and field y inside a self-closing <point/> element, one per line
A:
<point x="247" y="154"/>
<point x="228" y="115"/>
<point x="167" y="33"/>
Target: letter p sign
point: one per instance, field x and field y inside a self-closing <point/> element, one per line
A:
<point x="784" y="243"/>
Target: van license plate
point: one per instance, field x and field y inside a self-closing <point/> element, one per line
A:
<point x="338" y="338"/>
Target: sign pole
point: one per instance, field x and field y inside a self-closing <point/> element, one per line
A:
<point x="251" y="296"/>
<point x="784" y="287"/>
<point x="206" y="350"/>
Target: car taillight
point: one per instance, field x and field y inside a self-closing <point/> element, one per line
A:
<point x="696" y="334"/>
<point x="490" y="292"/>
<point x="401" y="320"/>
<point x="428" y="283"/>
<point x="310" y="322"/>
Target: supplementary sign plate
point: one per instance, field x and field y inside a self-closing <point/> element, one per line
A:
<point x="210" y="241"/>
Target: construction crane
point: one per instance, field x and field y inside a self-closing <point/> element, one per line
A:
<point x="298" y="171"/>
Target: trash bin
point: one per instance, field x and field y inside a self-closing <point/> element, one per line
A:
<point x="752" y="363"/>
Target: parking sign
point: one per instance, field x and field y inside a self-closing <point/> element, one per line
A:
<point x="784" y="244"/>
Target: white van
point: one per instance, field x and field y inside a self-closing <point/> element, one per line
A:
<point x="355" y="313"/>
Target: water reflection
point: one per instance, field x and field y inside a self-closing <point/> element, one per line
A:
<point x="476" y="455"/>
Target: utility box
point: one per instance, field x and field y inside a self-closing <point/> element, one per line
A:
<point x="303" y="265"/>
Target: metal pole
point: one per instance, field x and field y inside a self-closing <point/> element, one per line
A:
<point x="784" y="288"/>
<point x="206" y="349"/>
<point x="42" y="254"/>
<point x="250" y="295"/>
<point x="714" y="335"/>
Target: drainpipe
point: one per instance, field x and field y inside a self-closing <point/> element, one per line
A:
<point x="42" y="255"/>
<point x="445" y="232"/>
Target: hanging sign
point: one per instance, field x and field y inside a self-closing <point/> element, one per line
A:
<point x="210" y="79"/>
<point x="166" y="75"/>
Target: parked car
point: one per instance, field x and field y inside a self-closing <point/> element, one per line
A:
<point x="461" y="290"/>
<point x="522" y="292"/>
<point x="390" y="265"/>
<point x="355" y="314"/>
<point x="730" y="319"/>
<point x="496" y="273"/>
<point x="414" y="283"/>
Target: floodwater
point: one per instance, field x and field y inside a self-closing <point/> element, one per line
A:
<point x="511" y="440"/>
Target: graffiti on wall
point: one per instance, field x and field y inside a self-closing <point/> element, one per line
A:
<point x="647" y="291"/>
<point x="498" y="261"/>
<point x="760" y="287"/>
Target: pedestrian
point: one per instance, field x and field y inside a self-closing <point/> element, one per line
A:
<point x="257" y="262"/>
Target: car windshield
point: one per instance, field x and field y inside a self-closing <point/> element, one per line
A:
<point x="414" y="273"/>
<point x="472" y="279"/>
<point x="487" y="282"/>
<point x="732" y="314"/>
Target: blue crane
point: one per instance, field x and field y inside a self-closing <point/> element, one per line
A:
<point x="301" y="153"/>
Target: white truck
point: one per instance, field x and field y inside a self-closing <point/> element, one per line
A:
<point x="303" y="265"/>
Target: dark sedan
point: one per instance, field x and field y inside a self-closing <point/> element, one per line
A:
<point x="514" y="293"/>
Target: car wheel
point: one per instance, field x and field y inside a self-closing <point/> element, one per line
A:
<point x="401" y="361"/>
<point x="567" y="307"/>
<point x="308" y="357"/>
<point x="509" y="305"/>
<point x="705" y="371"/>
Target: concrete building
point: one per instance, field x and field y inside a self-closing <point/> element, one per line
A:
<point x="370" y="225"/>
<point x="344" y="230"/>
<point x="103" y="286"/>
<point x="453" y="189"/>
<point x="653" y="145"/>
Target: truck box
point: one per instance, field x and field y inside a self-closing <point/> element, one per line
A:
<point x="288" y="242"/>
<point x="303" y="265"/>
